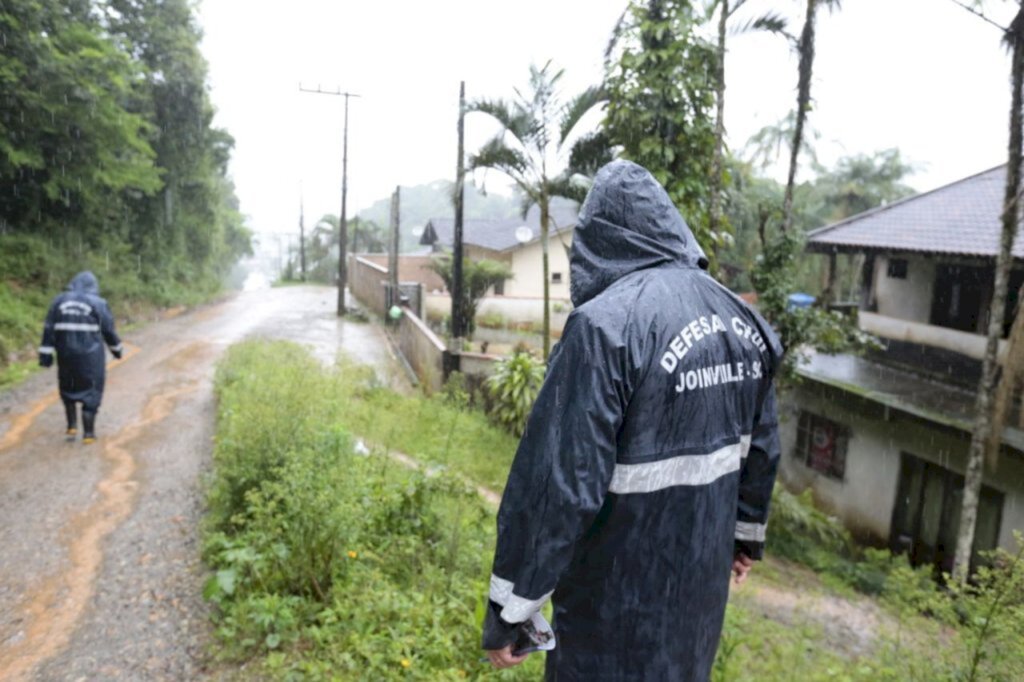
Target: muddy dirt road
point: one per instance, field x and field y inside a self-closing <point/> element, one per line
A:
<point x="99" y="552"/>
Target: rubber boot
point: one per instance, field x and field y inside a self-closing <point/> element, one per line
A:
<point x="89" y="425"/>
<point x="71" y="410"/>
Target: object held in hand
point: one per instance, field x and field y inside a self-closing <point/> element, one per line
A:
<point x="534" y="634"/>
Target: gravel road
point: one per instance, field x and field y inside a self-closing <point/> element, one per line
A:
<point x="100" y="575"/>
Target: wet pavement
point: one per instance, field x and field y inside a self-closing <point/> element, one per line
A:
<point x="100" y="576"/>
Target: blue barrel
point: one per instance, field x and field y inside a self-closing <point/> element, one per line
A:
<point x="800" y="300"/>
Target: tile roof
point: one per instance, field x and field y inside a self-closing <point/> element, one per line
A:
<point x="496" y="235"/>
<point x="959" y="218"/>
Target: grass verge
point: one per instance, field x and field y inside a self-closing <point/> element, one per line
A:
<point x="331" y="565"/>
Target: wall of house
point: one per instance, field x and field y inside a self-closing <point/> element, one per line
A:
<point x="865" y="498"/>
<point x="965" y="343"/>
<point x="905" y="299"/>
<point x="527" y="264"/>
<point x="515" y="310"/>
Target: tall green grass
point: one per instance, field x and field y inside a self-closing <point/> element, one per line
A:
<point x="331" y="565"/>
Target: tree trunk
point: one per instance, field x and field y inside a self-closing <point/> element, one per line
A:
<point x="715" y="205"/>
<point x="302" y="241"/>
<point x="983" y="406"/>
<point x="544" y="217"/>
<point x="460" y="325"/>
<point x="803" y="103"/>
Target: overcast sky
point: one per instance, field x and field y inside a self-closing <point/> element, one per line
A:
<point x="921" y="75"/>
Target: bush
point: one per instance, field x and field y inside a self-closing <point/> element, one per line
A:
<point x="331" y="565"/>
<point x="513" y="388"/>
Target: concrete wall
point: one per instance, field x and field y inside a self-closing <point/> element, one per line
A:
<point x="965" y="343"/>
<point x="865" y="498"/>
<point x="527" y="264"/>
<point x="905" y="299"/>
<point x="366" y="281"/>
<point x="423" y="350"/>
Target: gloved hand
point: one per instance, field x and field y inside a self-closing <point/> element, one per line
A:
<point x="45" y="359"/>
<point x="117" y="353"/>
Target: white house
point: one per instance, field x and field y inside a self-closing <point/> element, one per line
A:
<point x="515" y="241"/>
<point x="882" y="439"/>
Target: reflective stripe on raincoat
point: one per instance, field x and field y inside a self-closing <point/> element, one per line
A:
<point x="77" y="325"/>
<point x="649" y="456"/>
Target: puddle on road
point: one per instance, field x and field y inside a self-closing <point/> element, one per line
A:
<point x="53" y="608"/>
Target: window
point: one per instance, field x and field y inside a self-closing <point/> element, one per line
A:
<point x="556" y="278"/>
<point x="499" y="288"/>
<point x="821" y="445"/>
<point x="897" y="268"/>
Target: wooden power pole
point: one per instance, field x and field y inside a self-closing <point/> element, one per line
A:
<point x="396" y="215"/>
<point x="342" y="220"/>
<point x="458" y="313"/>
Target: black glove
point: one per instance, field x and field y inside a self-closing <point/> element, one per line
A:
<point x="45" y="359"/>
<point x="117" y="353"/>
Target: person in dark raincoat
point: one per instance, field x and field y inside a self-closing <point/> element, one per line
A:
<point x="77" y="326"/>
<point x="646" y="468"/>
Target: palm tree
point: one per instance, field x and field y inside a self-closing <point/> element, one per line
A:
<point x="536" y="127"/>
<point x="768" y="22"/>
<point x="805" y="49"/>
<point x="982" y="434"/>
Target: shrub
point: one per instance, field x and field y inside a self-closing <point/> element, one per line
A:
<point x="513" y="388"/>
<point x="331" y="565"/>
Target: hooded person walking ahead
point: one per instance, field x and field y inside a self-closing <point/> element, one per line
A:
<point x="78" y="324"/>
<point x="647" y="464"/>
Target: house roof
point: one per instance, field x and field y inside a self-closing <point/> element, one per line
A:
<point x="960" y="218"/>
<point x="497" y="235"/>
<point x="900" y="390"/>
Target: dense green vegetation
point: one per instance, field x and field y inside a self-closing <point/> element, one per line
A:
<point x="332" y="565"/>
<point x="328" y="564"/>
<point x="108" y="159"/>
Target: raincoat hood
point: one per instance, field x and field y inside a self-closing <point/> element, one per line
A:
<point x="627" y="223"/>
<point x="85" y="283"/>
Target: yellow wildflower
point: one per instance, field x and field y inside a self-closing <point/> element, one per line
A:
<point x="406" y="663"/>
<point x="352" y="555"/>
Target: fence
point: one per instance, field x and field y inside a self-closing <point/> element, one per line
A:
<point x="423" y="350"/>
<point x="368" y="282"/>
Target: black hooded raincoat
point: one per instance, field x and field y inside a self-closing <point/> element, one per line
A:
<point x="649" y="456"/>
<point x="76" y="327"/>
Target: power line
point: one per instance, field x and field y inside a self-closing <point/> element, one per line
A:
<point x="980" y="15"/>
<point x="342" y="220"/>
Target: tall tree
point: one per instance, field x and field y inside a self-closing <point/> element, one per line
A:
<point x="982" y="433"/>
<point x="805" y="50"/>
<point x="533" y="143"/>
<point x="181" y="232"/>
<point x="771" y="22"/>
<point x="661" y="103"/>
<point x="69" y="145"/>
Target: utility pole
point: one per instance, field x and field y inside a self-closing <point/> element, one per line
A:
<point x="302" y="238"/>
<point x="342" y="221"/>
<point x="458" y="313"/>
<point x="393" y="247"/>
